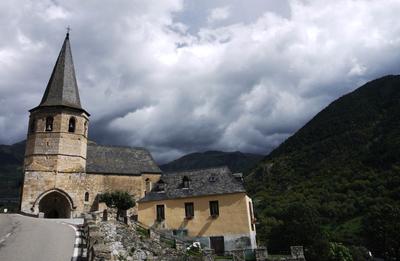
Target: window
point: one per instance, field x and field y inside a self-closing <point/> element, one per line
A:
<point x="186" y="182"/>
<point x="71" y="125"/>
<point x="238" y="177"/>
<point x="189" y="210"/>
<point x="148" y="185"/>
<point x="32" y="128"/>
<point x="160" y="186"/>
<point x="86" y="196"/>
<point x="251" y="216"/>
<point x="160" y="213"/>
<point x="49" y="123"/>
<point x="214" y="208"/>
<point x="212" y="178"/>
<point x="85" y="126"/>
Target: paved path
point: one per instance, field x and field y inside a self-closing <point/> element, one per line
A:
<point x="31" y="239"/>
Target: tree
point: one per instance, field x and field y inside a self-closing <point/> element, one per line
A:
<point x="122" y="200"/>
<point x="360" y="253"/>
<point x="381" y="228"/>
<point x="300" y="226"/>
<point x="339" y="252"/>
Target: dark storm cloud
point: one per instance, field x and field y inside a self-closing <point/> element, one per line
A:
<point x="183" y="76"/>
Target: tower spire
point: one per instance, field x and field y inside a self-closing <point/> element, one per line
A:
<point x="62" y="88"/>
<point x="68" y="30"/>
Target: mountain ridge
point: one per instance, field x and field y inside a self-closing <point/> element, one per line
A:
<point x="236" y="161"/>
<point x="342" y="163"/>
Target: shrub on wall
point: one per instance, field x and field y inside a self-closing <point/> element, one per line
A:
<point x="121" y="200"/>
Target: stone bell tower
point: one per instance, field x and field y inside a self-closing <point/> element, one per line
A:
<point x="55" y="156"/>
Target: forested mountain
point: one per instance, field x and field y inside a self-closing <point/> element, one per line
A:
<point x="341" y="168"/>
<point x="11" y="159"/>
<point x="236" y="161"/>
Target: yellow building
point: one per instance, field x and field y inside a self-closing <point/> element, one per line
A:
<point x="208" y="205"/>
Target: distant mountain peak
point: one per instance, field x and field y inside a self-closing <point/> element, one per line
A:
<point x="236" y="161"/>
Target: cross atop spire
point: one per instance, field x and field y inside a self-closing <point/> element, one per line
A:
<point x="68" y="30"/>
<point x="62" y="88"/>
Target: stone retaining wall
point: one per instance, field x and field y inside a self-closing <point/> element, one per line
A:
<point x="112" y="240"/>
<point x="97" y="249"/>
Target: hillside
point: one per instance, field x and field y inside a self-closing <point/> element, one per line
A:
<point x="236" y="161"/>
<point x="11" y="159"/>
<point x="342" y="163"/>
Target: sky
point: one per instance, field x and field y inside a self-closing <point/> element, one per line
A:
<point x="179" y="76"/>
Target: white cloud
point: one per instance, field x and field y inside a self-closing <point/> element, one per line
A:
<point x="54" y="12"/>
<point x="148" y="81"/>
<point x="356" y="69"/>
<point x="219" y="14"/>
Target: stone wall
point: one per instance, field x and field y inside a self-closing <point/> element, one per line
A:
<point x="134" y="185"/>
<point x="55" y="161"/>
<point x="75" y="185"/>
<point x="113" y="240"/>
<point x="71" y="185"/>
<point x="58" y="149"/>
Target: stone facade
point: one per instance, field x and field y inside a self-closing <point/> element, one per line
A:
<point x="55" y="161"/>
<point x="56" y="150"/>
<point x="74" y="186"/>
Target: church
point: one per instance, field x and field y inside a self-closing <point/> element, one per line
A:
<point x="64" y="173"/>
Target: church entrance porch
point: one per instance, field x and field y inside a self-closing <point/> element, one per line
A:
<point x="55" y="205"/>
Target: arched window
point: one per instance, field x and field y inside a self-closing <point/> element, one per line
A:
<point x="186" y="182"/>
<point x="71" y="125"/>
<point x="49" y="123"/>
<point x="86" y="196"/>
<point x="32" y="127"/>
<point x="148" y="185"/>
<point x="86" y="127"/>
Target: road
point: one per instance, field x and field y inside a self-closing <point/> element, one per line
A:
<point x="31" y="239"/>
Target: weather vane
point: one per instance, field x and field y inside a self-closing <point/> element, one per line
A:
<point x="68" y="29"/>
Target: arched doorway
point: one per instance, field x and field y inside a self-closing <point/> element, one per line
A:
<point x="55" y="205"/>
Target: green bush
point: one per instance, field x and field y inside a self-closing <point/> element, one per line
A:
<point x="381" y="228"/>
<point x="300" y="226"/>
<point x="339" y="252"/>
<point x="121" y="200"/>
<point x="360" y="253"/>
<point x="107" y="198"/>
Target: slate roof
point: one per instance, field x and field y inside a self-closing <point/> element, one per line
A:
<point x="211" y="181"/>
<point x="62" y="88"/>
<point x="119" y="160"/>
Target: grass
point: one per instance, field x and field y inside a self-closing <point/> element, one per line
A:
<point x="143" y="232"/>
<point x="223" y="257"/>
<point x="169" y="242"/>
<point x="193" y="253"/>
